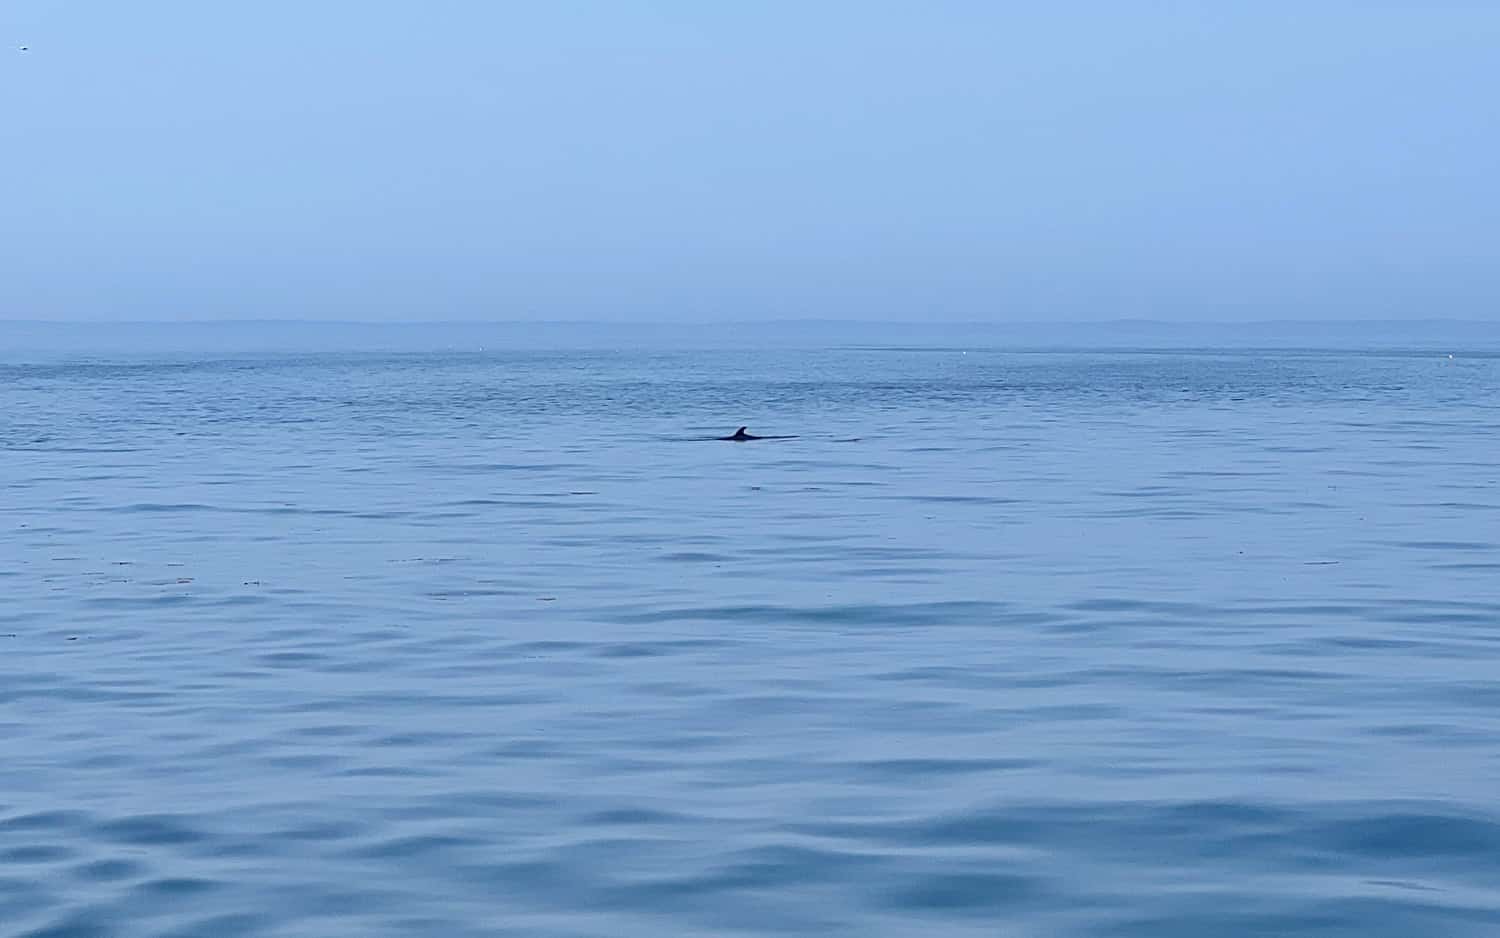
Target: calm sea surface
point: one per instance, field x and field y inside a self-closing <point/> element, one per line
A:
<point x="494" y="644"/>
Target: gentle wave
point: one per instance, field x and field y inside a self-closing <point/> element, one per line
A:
<point x="473" y="645"/>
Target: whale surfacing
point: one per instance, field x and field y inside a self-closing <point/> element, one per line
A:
<point x="741" y="436"/>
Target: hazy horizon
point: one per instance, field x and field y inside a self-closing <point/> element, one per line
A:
<point x="671" y="162"/>
<point x="216" y="337"/>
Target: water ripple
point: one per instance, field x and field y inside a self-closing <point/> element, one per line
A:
<point x="1135" y="644"/>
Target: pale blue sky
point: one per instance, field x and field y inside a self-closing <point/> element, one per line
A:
<point x="460" y="159"/>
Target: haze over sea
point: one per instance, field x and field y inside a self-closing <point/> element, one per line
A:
<point x="468" y="631"/>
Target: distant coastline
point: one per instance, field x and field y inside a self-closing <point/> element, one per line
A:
<point x="1436" y="335"/>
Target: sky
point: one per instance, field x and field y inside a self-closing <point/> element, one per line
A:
<point x="694" y="161"/>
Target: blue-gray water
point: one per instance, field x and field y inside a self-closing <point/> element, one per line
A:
<point x="485" y="644"/>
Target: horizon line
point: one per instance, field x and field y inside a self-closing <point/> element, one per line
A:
<point x="786" y="321"/>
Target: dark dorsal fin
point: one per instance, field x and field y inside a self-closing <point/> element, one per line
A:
<point x="741" y="431"/>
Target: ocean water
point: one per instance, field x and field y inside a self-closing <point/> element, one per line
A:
<point x="1121" y="643"/>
